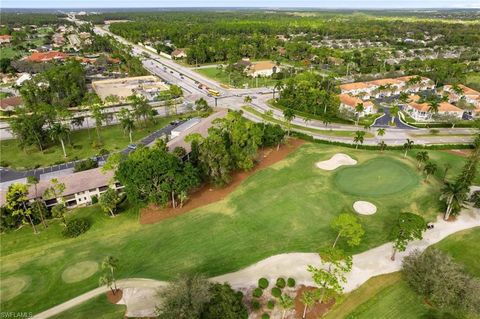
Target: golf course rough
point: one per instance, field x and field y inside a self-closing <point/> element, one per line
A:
<point x="376" y="177"/>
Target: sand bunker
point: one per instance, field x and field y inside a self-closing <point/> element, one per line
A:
<point x="79" y="271"/>
<point x="364" y="208"/>
<point x="336" y="161"/>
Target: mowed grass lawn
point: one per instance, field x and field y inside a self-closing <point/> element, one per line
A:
<point x="98" y="308"/>
<point x="221" y="76"/>
<point x="284" y="208"/>
<point x="113" y="139"/>
<point x="389" y="296"/>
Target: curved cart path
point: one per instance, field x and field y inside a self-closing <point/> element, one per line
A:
<point x="140" y="294"/>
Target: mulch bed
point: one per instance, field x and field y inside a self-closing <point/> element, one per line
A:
<point x="207" y="194"/>
<point x="314" y="312"/>
<point x="114" y="298"/>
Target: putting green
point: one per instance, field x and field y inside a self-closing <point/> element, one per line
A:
<point x="79" y="271"/>
<point x="11" y="287"/>
<point x="376" y="177"/>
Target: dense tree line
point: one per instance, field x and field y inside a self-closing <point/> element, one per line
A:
<point x="17" y="19"/>
<point x="227" y="36"/>
<point x="154" y="175"/>
<point x="312" y="93"/>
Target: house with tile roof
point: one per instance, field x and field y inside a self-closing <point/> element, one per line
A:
<point x="350" y="102"/>
<point x="421" y="111"/>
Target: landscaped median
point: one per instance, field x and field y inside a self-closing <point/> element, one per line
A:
<point x="326" y="132"/>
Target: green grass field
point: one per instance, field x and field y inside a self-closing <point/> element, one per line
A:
<point x="113" y="139"/>
<point x="379" y="297"/>
<point x="284" y="208"/>
<point x="221" y="76"/>
<point x="98" y="308"/>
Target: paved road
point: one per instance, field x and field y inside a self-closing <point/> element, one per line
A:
<point x="8" y="175"/>
<point x="384" y="121"/>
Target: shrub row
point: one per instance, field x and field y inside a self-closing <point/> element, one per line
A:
<point x="309" y="138"/>
<point x="76" y="227"/>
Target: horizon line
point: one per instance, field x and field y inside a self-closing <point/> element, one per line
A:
<point x="253" y="7"/>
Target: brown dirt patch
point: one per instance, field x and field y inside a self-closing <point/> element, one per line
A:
<point x="463" y="153"/>
<point x="314" y="312"/>
<point x="207" y="194"/>
<point x="114" y="298"/>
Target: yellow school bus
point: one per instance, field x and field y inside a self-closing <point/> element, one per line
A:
<point x="213" y="92"/>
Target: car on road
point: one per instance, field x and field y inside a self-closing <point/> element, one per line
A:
<point x="175" y="122"/>
<point x="132" y="146"/>
<point x="171" y="72"/>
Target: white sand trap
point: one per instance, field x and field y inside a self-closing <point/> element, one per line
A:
<point x="336" y="161"/>
<point x="364" y="208"/>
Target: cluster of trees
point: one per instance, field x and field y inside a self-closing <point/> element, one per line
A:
<point x="226" y="36"/>
<point x="455" y="193"/>
<point x="445" y="283"/>
<point x="155" y="175"/>
<point x="311" y="93"/>
<point x="195" y="297"/>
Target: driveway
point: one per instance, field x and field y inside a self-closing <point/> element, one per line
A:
<point x="384" y="121"/>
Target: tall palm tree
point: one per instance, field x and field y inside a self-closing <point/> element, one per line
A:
<point x="381" y="131"/>
<point x="98" y="116"/>
<point x="33" y="180"/>
<point x="111" y="264"/>
<point x="429" y="169"/>
<point x="382" y="146"/>
<point x="394" y="111"/>
<point x="127" y="121"/>
<point x="454" y="195"/>
<point x="277" y="87"/>
<point x="59" y="131"/>
<point x="289" y="115"/>
<point x="407" y="146"/>
<point x="421" y="157"/>
<point x="433" y="106"/>
<point x="359" y="108"/>
<point x="359" y="138"/>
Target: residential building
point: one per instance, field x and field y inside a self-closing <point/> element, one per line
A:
<point x="361" y="89"/>
<point x="5" y="38"/>
<point x="264" y="68"/>
<point x="469" y="95"/>
<point x="46" y="56"/>
<point x="421" y="111"/>
<point x="350" y="102"/>
<point x="179" y="54"/>
<point x="80" y="188"/>
<point x="10" y="103"/>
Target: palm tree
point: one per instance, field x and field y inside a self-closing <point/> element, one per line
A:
<point x="308" y="299"/>
<point x="446" y="168"/>
<point x="286" y="302"/>
<point x="359" y="138"/>
<point x="111" y="264"/>
<point x="98" y="116"/>
<point x="394" y="111"/>
<point x="359" y="109"/>
<point x="454" y="195"/>
<point x="382" y="145"/>
<point x="407" y="146"/>
<point x="381" y="131"/>
<point x="33" y="180"/>
<point x="289" y="115"/>
<point x="247" y="99"/>
<point x="422" y="157"/>
<point x="59" y="131"/>
<point x="429" y="169"/>
<point x="403" y="97"/>
<point x="127" y="122"/>
<point x="433" y="106"/>
<point x="277" y="87"/>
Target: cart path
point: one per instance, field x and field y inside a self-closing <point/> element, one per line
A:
<point x="140" y="295"/>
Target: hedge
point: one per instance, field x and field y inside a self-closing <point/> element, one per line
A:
<point x="76" y="227"/>
<point x="276" y="292"/>
<point x="291" y="282"/>
<point x="280" y="283"/>
<point x="309" y="138"/>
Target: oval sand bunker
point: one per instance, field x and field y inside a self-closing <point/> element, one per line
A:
<point x="364" y="208"/>
<point x="336" y="161"/>
<point x="79" y="271"/>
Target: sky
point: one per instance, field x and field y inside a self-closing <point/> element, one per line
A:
<point x="241" y="3"/>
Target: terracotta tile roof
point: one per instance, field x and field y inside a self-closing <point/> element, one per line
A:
<point x="46" y="56"/>
<point x="355" y="86"/>
<point x="443" y="107"/>
<point x="5" y="37"/>
<point x="353" y="101"/>
<point x="385" y="82"/>
<point x="177" y="52"/>
<point x="10" y="102"/>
